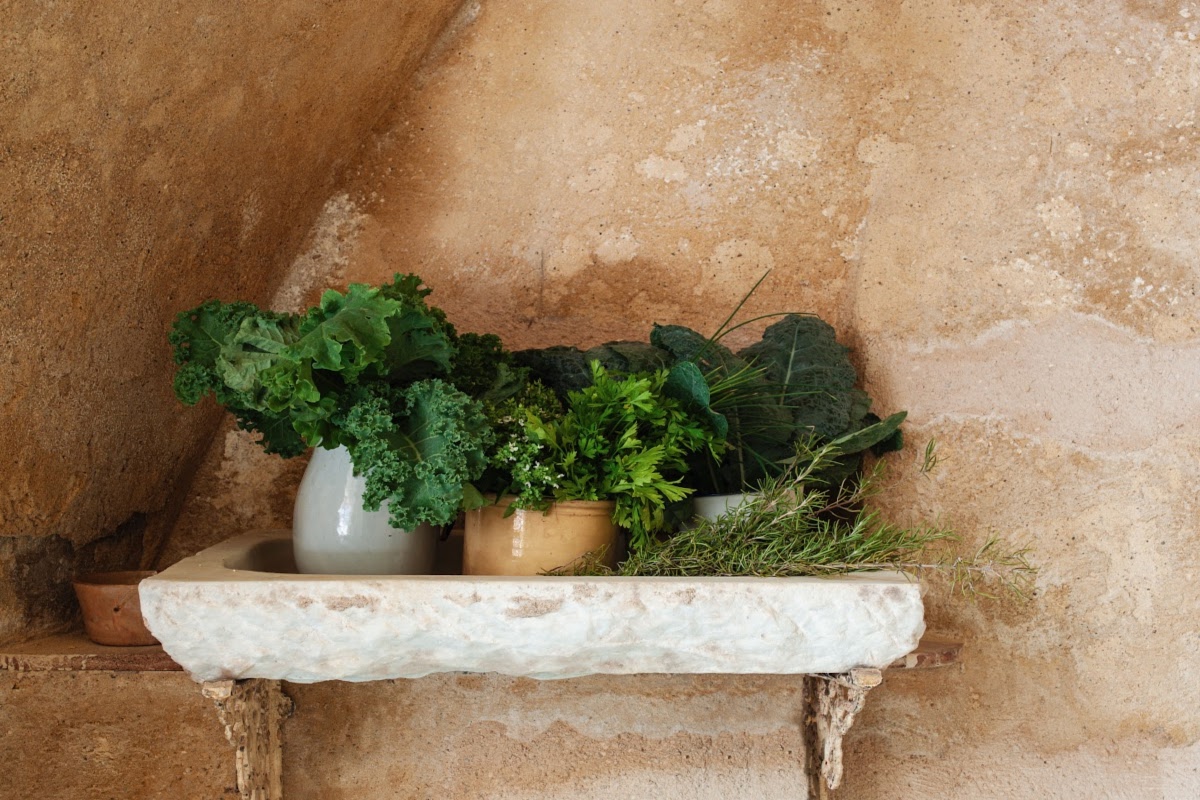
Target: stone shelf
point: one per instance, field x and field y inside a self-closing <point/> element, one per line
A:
<point x="239" y="610"/>
<point x="74" y="652"/>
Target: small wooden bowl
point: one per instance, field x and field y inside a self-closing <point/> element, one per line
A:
<point x="112" y="610"/>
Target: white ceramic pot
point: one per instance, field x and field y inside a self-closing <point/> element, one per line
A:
<point x="333" y="535"/>
<point x="712" y="506"/>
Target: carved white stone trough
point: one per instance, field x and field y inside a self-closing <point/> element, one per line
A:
<point x="239" y="610"/>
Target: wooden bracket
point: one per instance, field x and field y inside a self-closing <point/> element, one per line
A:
<point x="834" y="702"/>
<point x="253" y="712"/>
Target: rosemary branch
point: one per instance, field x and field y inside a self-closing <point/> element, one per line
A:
<point x="797" y="527"/>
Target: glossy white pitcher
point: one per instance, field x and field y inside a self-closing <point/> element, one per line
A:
<point x="333" y="535"/>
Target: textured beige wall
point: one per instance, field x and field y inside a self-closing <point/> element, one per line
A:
<point x="151" y="156"/>
<point x="997" y="205"/>
<point x="707" y="737"/>
<point x="102" y="735"/>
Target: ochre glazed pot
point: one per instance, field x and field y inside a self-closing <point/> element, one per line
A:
<point x="112" y="610"/>
<point x="530" y="542"/>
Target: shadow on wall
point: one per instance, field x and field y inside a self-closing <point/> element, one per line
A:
<point x="36" y="575"/>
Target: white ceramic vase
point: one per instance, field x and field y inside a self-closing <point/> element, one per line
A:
<point x="333" y="535"/>
<point x="712" y="506"/>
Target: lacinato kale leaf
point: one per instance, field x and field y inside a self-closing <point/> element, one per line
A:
<point x="802" y="357"/>
<point x="814" y="379"/>
<point x="563" y="369"/>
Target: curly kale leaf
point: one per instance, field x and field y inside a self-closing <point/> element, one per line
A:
<point x="253" y="359"/>
<point x="294" y="362"/>
<point x="278" y="434"/>
<point x="346" y="333"/>
<point x="421" y="337"/>
<point x="279" y="370"/>
<point x="201" y="339"/>
<point x="417" y="446"/>
<point x="484" y="369"/>
<point x="410" y="291"/>
<point x="198" y="338"/>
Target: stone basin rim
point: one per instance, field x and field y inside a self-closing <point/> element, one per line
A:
<point x="220" y="563"/>
<point x="219" y="621"/>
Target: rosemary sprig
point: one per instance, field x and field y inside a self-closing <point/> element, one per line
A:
<point x="796" y="527"/>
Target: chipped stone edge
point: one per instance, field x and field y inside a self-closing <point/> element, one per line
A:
<point x="360" y="628"/>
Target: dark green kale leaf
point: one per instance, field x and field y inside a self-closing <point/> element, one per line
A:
<point x="624" y="358"/>
<point x="685" y="344"/>
<point x="566" y="369"/>
<point x="563" y="369"/>
<point x="802" y="357"/>
<point x="686" y="383"/>
<point x="815" y="379"/>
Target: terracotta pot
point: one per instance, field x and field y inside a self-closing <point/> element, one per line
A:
<point x="112" y="610"/>
<point x="532" y="542"/>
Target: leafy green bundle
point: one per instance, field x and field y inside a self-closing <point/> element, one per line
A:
<point x="795" y="383"/>
<point x="625" y="439"/>
<point x="363" y="370"/>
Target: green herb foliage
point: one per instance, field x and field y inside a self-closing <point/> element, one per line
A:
<point x="520" y="463"/>
<point x="796" y="382"/>
<point x="360" y="369"/>
<point x="799" y="527"/>
<point x="417" y="447"/>
<point x="627" y="440"/>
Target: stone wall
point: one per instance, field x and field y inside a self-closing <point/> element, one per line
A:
<point x="152" y="157"/>
<point x="996" y="205"/>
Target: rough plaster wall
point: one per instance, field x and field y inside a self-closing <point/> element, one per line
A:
<point x="109" y="735"/>
<point x="1027" y="288"/>
<point x="995" y="204"/>
<point x="486" y="736"/>
<point x="152" y="156"/>
<point x="574" y="173"/>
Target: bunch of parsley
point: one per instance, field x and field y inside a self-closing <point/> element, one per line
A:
<point x="625" y="439"/>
